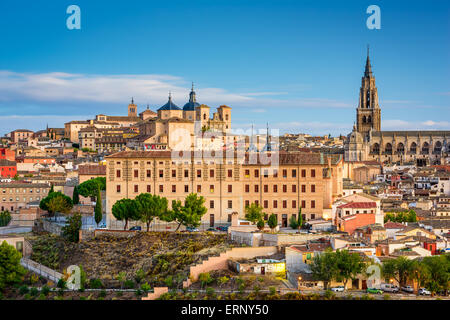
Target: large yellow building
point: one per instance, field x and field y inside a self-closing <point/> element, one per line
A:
<point x="280" y="185"/>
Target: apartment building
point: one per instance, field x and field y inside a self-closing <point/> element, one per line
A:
<point x="310" y="180"/>
<point x="17" y="195"/>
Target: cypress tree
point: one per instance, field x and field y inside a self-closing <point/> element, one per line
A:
<point x="98" y="207"/>
<point x="75" y="196"/>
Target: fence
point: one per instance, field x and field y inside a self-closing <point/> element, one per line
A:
<point x="41" y="269"/>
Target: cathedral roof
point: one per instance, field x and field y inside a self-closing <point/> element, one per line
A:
<point x="192" y="103"/>
<point x="169" y="105"/>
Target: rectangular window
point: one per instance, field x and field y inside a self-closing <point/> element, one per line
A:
<point x="136" y="173"/>
<point x="313" y="188"/>
<point x="161" y="173"/>
<point x="174" y="188"/>
<point x="211" y="173"/>
<point x="118" y="173"/>
<point x="161" y="188"/>
<point x="294" y="188"/>
<point x="247" y="203"/>
<point x="118" y="188"/>
<point x="313" y="204"/>
<point x="313" y="173"/>
<point x="275" y="173"/>
<point x="186" y="173"/>
<point x="266" y="204"/>
<point x="303" y="188"/>
<point x="186" y="188"/>
<point x="266" y="188"/>
<point x="294" y="173"/>
<point x="284" y="204"/>
<point x="275" y="204"/>
<point x="211" y="204"/>
<point x="256" y="173"/>
<point x="256" y="188"/>
<point x="247" y="173"/>
<point x="303" y="173"/>
<point x="199" y="188"/>
<point x="284" y="173"/>
<point x="230" y="173"/>
<point x="230" y="188"/>
<point x="303" y="204"/>
<point x="266" y="173"/>
<point x="294" y="204"/>
<point x="149" y="173"/>
<point x="136" y="188"/>
<point x="284" y="188"/>
<point x="149" y="188"/>
<point x="247" y="188"/>
<point x="211" y="188"/>
<point x="199" y="173"/>
<point x="275" y="188"/>
<point x="230" y="204"/>
<point x="174" y="173"/>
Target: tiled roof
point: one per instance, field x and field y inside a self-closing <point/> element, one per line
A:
<point x="394" y="225"/>
<point x="358" y="205"/>
<point x="92" y="169"/>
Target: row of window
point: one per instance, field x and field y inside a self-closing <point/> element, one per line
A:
<point x="24" y="199"/>
<point x="284" y="204"/>
<point x="229" y="173"/>
<point x="11" y="190"/>
<point x="229" y="188"/>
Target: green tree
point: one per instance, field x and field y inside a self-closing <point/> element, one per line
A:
<point x="260" y="224"/>
<point x="71" y="231"/>
<point x="300" y="218"/>
<point x="150" y="206"/>
<point x="56" y="202"/>
<point x="189" y="214"/>
<point x="293" y="223"/>
<point x="125" y="209"/>
<point x="411" y="216"/>
<point x="11" y="272"/>
<point x="89" y="187"/>
<point x="51" y="190"/>
<point x="400" y="269"/>
<point x="98" y="207"/>
<point x="253" y="213"/>
<point x="324" y="267"/>
<point x="350" y="265"/>
<point x="5" y="218"/>
<point x="436" y="273"/>
<point x="75" y="196"/>
<point x="272" y="222"/>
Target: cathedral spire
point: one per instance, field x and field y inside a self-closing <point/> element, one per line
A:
<point x="192" y="98"/>
<point x="368" y="70"/>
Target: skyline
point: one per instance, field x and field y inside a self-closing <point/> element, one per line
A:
<point x="300" y="73"/>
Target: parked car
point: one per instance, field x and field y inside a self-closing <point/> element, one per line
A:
<point x="374" y="290"/>
<point x="222" y="228"/>
<point x="191" y="229"/>
<point x="211" y="229"/>
<point x="136" y="228"/>
<point x="424" y="292"/>
<point x="387" y="287"/>
<point x="408" y="289"/>
<point x="338" y="289"/>
<point x="102" y="226"/>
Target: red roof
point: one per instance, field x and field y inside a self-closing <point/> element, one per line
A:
<point x="394" y="225"/>
<point x="358" y="205"/>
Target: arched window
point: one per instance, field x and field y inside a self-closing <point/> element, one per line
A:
<point x="388" y="148"/>
<point x="376" y="148"/>
<point x="364" y="120"/>
<point x="413" y="148"/>
<point x="425" y="148"/>
<point x="438" y="147"/>
<point x="204" y="116"/>
<point x="400" y="148"/>
<point x="369" y="119"/>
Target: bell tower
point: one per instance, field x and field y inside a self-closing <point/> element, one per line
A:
<point x="132" y="109"/>
<point x="368" y="113"/>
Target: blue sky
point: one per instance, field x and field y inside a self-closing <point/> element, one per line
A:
<point x="294" y="64"/>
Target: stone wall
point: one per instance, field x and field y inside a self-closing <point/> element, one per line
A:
<point x="114" y="233"/>
<point x="157" y="292"/>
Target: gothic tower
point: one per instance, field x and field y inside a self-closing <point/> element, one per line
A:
<point x="132" y="109"/>
<point x="368" y="113"/>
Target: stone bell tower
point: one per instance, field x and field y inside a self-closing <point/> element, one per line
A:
<point x="368" y="113"/>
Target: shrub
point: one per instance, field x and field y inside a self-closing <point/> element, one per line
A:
<point x="210" y="292"/>
<point x="45" y="290"/>
<point x="223" y="280"/>
<point x="168" y="281"/>
<point x="34" y="278"/>
<point x="272" y="291"/>
<point x="42" y="296"/>
<point x="205" y="278"/>
<point x="5" y="218"/>
<point x="145" y="287"/>
<point x="138" y="292"/>
<point x="140" y="275"/>
<point x="102" y="293"/>
<point x="34" y="291"/>
<point x="119" y="293"/>
<point x="129" y="284"/>
<point x="95" y="283"/>
<point x="71" y="231"/>
<point x="23" y="290"/>
<point x="386" y="297"/>
<point x="62" y="284"/>
<point x="329" y="295"/>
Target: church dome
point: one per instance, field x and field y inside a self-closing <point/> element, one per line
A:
<point x="169" y="105"/>
<point x="355" y="137"/>
<point x="192" y="103"/>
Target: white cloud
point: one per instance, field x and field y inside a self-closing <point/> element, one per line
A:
<point x="414" y="125"/>
<point x="149" y="88"/>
